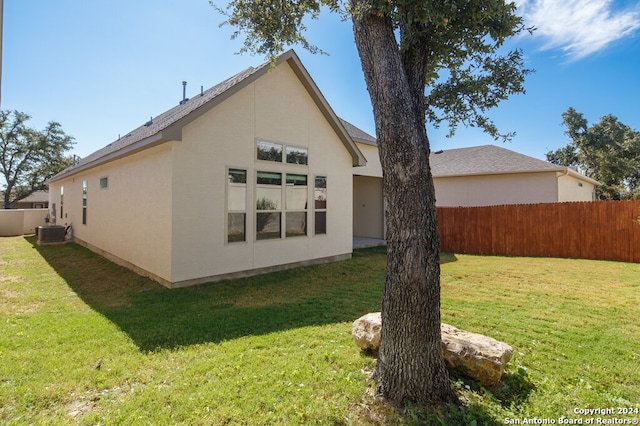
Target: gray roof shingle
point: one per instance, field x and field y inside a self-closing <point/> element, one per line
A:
<point x="486" y="159"/>
<point x="358" y="134"/>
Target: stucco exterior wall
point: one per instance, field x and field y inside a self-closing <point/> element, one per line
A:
<point x="571" y="188"/>
<point x="487" y="190"/>
<point x="129" y="221"/>
<point x="373" y="167"/>
<point x="368" y="207"/>
<point x="275" y="108"/>
<point x="21" y="221"/>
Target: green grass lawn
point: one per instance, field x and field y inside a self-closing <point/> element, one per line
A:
<point x="83" y="341"/>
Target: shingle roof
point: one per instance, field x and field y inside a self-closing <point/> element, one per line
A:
<point x="164" y="120"/>
<point x="36" y="197"/>
<point x="358" y="134"/>
<point x="486" y="159"/>
<point x="168" y="125"/>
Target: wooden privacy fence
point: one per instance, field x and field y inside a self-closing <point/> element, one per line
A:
<point x="605" y="230"/>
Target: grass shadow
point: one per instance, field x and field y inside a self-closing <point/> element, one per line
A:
<point x="514" y="389"/>
<point x="157" y="318"/>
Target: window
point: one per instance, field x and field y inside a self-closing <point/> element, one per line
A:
<point x="61" y="202"/>
<point x="320" y="204"/>
<point x="296" y="214"/>
<point x="84" y="202"/>
<point x="104" y="182"/>
<point x="236" y="205"/>
<point x="297" y="155"/>
<point x="269" y="151"/>
<point x="268" y="205"/>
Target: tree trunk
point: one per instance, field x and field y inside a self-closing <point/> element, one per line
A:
<point x="410" y="365"/>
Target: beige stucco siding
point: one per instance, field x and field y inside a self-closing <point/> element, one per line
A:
<point x="373" y="167"/>
<point x="487" y="190"/>
<point x="274" y="108"/>
<point x="571" y="188"/>
<point x="130" y="220"/>
<point x="368" y="207"/>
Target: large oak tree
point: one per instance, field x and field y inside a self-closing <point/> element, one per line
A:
<point x="29" y="157"/>
<point x="422" y="60"/>
<point x="608" y="151"/>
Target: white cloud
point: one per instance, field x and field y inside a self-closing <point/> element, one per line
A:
<point x="579" y="27"/>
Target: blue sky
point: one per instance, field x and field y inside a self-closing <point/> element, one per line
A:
<point x="102" y="68"/>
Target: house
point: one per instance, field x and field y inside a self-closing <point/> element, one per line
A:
<point x="36" y="200"/>
<point x="477" y="176"/>
<point x="491" y="175"/>
<point x="252" y="175"/>
<point x="258" y="174"/>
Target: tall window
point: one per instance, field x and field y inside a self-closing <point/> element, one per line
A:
<point x="84" y="202"/>
<point x="268" y="205"/>
<point x="236" y="205"/>
<point x="320" y="204"/>
<point x="296" y="208"/>
<point x="62" y="202"/>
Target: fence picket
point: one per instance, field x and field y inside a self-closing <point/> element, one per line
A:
<point x="606" y="230"/>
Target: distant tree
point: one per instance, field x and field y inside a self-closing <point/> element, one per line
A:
<point x="435" y="60"/>
<point x="29" y="157"/>
<point x="608" y="152"/>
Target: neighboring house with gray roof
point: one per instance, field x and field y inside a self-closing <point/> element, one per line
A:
<point x="252" y="175"/>
<point x="36" y="200"/>
<point x="477" y="176"/>
<point x="491" y="175"/>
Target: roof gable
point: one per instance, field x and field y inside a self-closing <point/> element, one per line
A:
<point x="168" y="125"/>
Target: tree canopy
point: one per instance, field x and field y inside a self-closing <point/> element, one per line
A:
<point x="29" y="157"/>
<point x="441" y="61"/>
<point x="608" y="151"/>
<point x="466" y="73"/>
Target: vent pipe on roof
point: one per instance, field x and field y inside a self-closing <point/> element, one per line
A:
<point x="184" y="93"/>
<point x="201" y="90"/>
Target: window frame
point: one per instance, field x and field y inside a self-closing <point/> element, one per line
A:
<point x="261" y="212"/>
<point x="61" y="201"/>
<point x="229" y="208"/>
<point x="105" y="180"/>
<point x="287" y="152"/>
<point x="291" y="210"/>
<point x="319" y="210"/>
<point x="85" y="190"/>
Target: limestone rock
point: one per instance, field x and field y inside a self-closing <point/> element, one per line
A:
<point x="473" y="355"/>
<point x="366" y="331"/>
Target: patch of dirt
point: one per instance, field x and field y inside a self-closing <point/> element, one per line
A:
<point x="372" y="409"/>
<point x="10" y="301"/>
<point x="86" y="403"/>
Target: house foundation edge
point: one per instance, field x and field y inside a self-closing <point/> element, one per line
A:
<point x="212" y="278"/>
